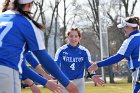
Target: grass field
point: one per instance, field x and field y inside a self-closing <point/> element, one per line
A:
<point x="119" y="87"/>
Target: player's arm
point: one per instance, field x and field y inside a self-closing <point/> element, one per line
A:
<point x="41" y="71"/>
<point x="31" y="74"/>
<point x="28" y="72"/>
<point x="31" y="60"/>
<point x="32" y="86"/>
<point x="48" y="63"/>
<point x="111" y="60"/>
<point x="35" y="64"/>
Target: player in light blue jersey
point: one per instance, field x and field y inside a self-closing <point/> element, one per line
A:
<point x="130" y="50"/>
<point x="19" y="33"/>
<point x="73" y="59"/>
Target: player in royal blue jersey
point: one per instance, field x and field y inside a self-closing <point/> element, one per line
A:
<point x="130" y="49"/>
<point x="73" y="59"/>
<point x="20" y="33"/>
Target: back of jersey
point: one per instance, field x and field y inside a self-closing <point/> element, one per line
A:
<point x="11" y="39"/>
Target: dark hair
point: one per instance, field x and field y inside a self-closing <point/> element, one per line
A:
<point x="19" y="8"/>
<point x="135" y="20"/>
<point x="5" y="5"/>
<point x="74" y="29"/>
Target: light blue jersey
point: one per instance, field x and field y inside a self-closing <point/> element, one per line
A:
<point x="73" y="60"/>
<point x="17" y="35"/>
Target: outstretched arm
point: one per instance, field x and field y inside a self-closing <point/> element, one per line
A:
<point x="111" y="60"/>
<point x="28" y="72"/>
<point x="41" y="71"/>
<point x="35" y="64"/>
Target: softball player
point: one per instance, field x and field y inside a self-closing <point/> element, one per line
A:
<point x="73" y="58"/>
<point x="130" y="49"/>
<point x="20" y="33"/>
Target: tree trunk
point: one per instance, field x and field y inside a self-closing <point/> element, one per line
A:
<point x="111" y="74"/>
<point x="129" y="78"/>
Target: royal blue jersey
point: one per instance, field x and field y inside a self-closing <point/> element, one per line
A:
<point x="17" y="34"/>
<point x="73" y="60"/>
<point x="130" y="50"/>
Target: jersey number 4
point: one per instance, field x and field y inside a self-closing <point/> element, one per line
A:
<point x="4" y="29"/>
<point x="72" y="66"/>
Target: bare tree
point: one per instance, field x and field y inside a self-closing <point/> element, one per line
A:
<point x="54" y="9"/>
<point x="67" y="8"/>
<point x="126" y="4"/>
<point x="56" y="26"/>
<point x="39" y="11"/>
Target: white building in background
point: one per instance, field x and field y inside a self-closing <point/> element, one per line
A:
<point x="51" y="47"/>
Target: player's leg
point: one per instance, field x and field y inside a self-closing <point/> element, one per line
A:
<point x="134" y="79"/>
<point x="137" y="85"/>
<point x="80" y="83"/>
<point x="9" y="80"/>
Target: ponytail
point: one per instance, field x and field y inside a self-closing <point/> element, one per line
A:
<point x="27" y="14"/>
<point x="5" y="5"/>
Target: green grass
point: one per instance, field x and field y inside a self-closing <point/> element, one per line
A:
<point x="119" y="87"/>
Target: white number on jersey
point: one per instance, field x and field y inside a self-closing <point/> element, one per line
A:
<point x="7" y="26"/>
<point x="72" y="66"/>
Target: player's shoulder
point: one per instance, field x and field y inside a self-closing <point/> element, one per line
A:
<point x="82" y="48"/>
<point x="134" y="39"/>
<point x="62" y="48"/>
<point x="13" y="15"/>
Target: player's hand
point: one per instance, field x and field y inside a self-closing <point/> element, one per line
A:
<point x="52" y="86"/>
<point x="97" y="80"/>
<point x="35" y="89"/>
<point x="71" y="88"/>
<point x="93" y="67"/>
<point x="138" y="91"/>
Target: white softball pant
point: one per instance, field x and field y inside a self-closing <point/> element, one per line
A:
<point x="9" y="80"/>
<point x="80" y="83"/>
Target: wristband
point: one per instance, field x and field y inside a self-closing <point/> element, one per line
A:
<point x="90" y="75"/>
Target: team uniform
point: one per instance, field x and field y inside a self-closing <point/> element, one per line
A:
<point x="130" y="50"/>
<point x="72" y="61"/>
<point x="17" y="36"/>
